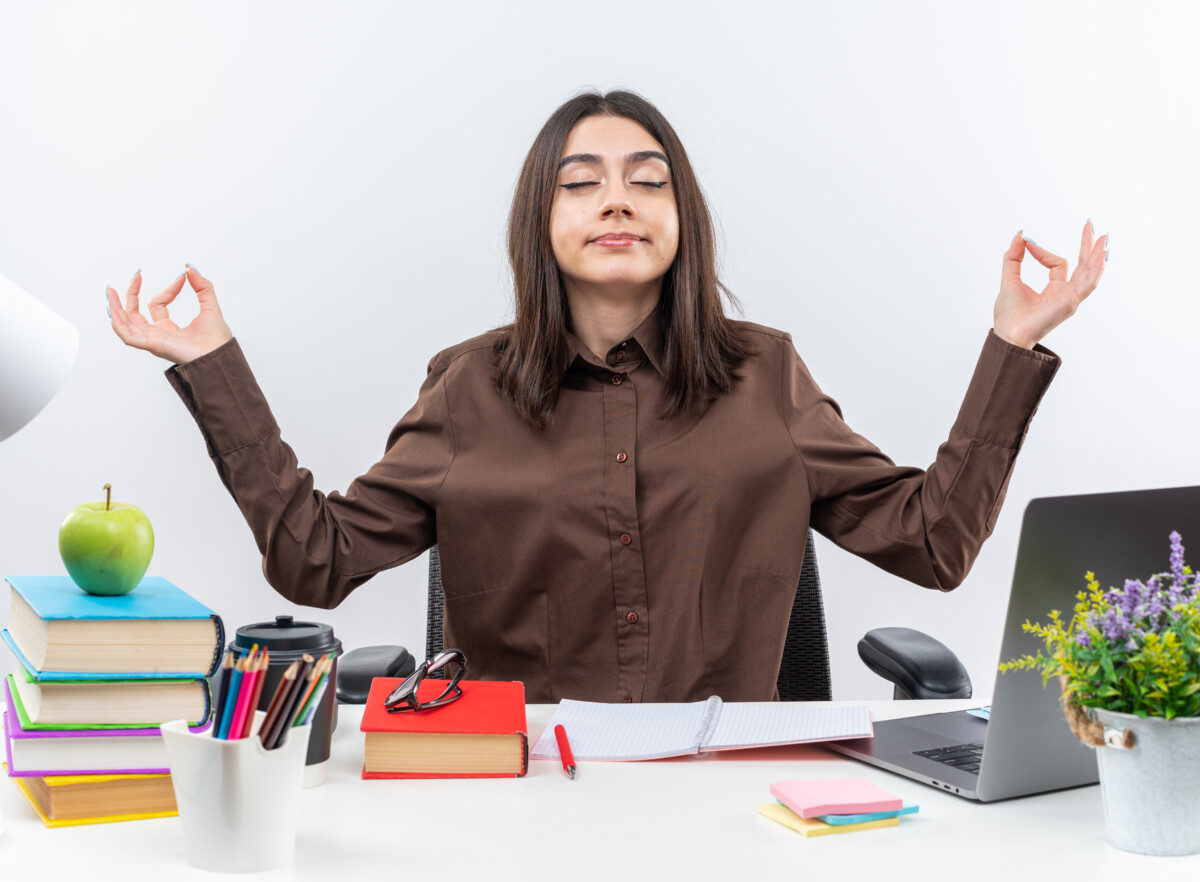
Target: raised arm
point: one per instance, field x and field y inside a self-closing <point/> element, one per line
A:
<point x="316" y="547"/>
<point x="928" y="525"/>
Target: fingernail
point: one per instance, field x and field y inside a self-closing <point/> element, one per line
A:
<point x="1018" y="236"/>
<point x="107" y="308"/>
<point x="135" y="275"/>
<point x="1030" y="241"/>
<point x="1090" y="227"/>
<point x="193" y="267"/>
<point x="180" y="276"/>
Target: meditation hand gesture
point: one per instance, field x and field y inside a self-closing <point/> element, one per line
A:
<point x="162" y="336"/>
<point x="1022" y="315"/>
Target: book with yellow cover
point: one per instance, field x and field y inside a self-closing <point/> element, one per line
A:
<point x="70" y="800"/>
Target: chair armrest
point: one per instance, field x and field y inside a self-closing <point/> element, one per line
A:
<point x="358" y="667"/>
<point x="918" y="665"/>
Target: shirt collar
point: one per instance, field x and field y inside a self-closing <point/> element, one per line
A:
<point x="646" y="340"/>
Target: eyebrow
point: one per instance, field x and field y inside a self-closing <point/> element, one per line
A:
<point x="630" y="158"/>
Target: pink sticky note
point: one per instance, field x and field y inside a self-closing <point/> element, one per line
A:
<point x="834" y="796"/>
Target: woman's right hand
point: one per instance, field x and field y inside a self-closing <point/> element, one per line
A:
<point x="162" y="336"/>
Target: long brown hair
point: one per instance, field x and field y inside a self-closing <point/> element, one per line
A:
<point x="701" y="347"/>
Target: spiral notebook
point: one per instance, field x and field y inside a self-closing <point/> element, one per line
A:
<point x="601" y="731"/>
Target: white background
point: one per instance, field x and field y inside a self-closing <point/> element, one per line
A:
<point x="343" y="174"/>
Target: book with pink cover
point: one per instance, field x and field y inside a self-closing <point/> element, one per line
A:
<point x="81" y="751"/>
<point x="835" y="796"/>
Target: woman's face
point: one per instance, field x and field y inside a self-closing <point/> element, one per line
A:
<point x="613" y="223"/>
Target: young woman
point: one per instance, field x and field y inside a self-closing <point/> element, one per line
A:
<point x="621" y="481"/>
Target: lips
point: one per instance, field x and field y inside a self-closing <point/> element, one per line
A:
<point x="616" y="240"/>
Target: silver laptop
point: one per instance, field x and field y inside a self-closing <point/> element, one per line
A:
<point x="1026" y="747"/>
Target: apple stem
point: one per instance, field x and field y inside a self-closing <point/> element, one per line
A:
<point x="107" y="496"/>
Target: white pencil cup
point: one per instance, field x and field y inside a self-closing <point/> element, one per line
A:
<point x="238" y="802"/>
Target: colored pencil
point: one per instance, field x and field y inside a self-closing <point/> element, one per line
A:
<point x="313" y="676"/>
<point x="222" y="690"/>
<point x="317" y="696"/>
<point x="288" y="708"/>
<point x="243" y="699"/>
<point x="281" y="689"/>
<point x="264" y="662"/>
<point x="235" y="682"/>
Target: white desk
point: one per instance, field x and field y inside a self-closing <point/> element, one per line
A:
<point x="692" y="819"/>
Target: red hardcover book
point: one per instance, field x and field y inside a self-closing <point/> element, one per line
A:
<point x="481" y="735"/>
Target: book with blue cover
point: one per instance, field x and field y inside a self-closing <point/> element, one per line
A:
<point x="59" y="632"/>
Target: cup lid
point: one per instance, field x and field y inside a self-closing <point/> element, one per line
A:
<point x="287" y="635"/>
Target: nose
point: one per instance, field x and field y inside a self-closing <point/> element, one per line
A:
<point x="617" y="200"/>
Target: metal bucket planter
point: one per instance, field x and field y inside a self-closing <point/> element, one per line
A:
<point x="1149" y="781"/>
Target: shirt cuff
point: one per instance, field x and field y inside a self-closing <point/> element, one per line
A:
<point x="1004" y="393"/>
<point x="223" y="397"/>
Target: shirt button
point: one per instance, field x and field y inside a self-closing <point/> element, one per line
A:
<point x="631" y="617"/>
<point x="622" y="456"/>
<point x="628" y="699"/>
<point x="620" y="356"/>
<point x="617" y="379"/>
<point x="626" y="538"/>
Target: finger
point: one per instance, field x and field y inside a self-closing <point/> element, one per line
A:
<point x="1086" y="242"/>
<point x="1087" y="275"/>
<point x="160" y="301"/>
<point x="124" y="328"/>
<point x="203" y="288"/>
<point x="1057" y="265"/>
<point x="1011" y="267"/>
<point x="131" y="293"/>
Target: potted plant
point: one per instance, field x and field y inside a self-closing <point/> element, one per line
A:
<point x="1129" y="664"/>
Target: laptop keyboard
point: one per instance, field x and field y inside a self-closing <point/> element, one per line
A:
<point x="961" y="756"/>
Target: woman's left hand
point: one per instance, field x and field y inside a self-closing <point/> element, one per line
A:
<point x="1022" y="315"/>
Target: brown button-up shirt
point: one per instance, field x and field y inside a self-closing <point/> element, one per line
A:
<point x="617" y="555"/>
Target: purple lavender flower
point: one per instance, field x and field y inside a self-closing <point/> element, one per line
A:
<point x="1115" y="625"/>
<point x="1084" y="639"/>
<point x="1177" y="557"/>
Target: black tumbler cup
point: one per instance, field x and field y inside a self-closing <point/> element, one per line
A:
<point x="288" y="640"/>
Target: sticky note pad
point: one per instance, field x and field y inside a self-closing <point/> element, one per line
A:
<point x="835" y="796"/>
<point x="811" y="826"/>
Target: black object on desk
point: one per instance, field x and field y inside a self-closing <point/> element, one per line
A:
<point x="287" y="640"/>
<point x="360" y="666"/>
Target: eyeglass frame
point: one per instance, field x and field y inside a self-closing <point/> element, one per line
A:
<point x="404" y="696"/>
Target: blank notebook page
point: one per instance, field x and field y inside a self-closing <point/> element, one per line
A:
<point x="599" y="731"/>
<point x="744" y="725"/>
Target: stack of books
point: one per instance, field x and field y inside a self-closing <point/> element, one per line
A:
<point x="819" y="807"/>
<point x="96" y="678"/>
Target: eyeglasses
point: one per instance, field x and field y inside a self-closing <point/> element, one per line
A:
<point x="404" y="696"/>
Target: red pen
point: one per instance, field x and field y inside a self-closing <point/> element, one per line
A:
<point x="564" y="751"/>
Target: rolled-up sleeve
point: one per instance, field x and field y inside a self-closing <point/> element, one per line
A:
<point x="926" y="526"/>
<point x="317" y="548"/>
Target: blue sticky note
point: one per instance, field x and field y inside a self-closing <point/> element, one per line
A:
<point x="838" y="820"/>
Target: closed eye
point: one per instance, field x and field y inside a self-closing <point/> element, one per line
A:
<point x="657" y="185"/>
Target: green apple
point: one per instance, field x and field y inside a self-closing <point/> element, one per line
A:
<point x="106" y="546"/>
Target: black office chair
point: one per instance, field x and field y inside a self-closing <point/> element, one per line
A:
<point x="916" y="664"/>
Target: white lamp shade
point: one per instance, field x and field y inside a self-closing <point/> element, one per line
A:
<point x="37" y="349"/>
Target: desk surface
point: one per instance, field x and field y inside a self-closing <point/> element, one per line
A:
<point x="688" y="818"/>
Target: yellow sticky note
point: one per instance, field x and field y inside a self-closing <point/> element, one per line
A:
<point x="811" y="826"/>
